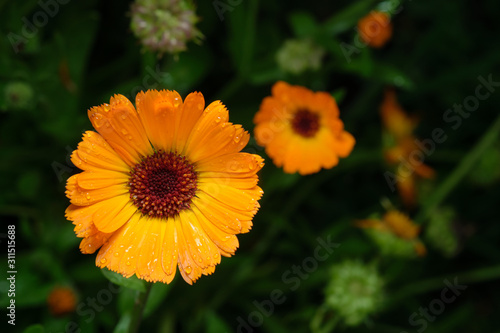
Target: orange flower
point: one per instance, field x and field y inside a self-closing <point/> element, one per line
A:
<point x="61" y="301"/>
<point x="394" y="118"/>
<point x="405" y="155"/>
<point x="375" y="29"/>
<point x="301" y="129"/>
<point x="399" y="225"/>
<point x="164" y="185"/>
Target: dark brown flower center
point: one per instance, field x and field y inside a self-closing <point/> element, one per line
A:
<point x="305" y="123"/>
<point x="163" y="184"/>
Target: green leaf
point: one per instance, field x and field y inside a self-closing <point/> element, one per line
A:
<point x="124" y="323"/>
<point x="158" y="293"/>
<point x="132" y="282"/>
<point x="34" y="329"/>
<point x="348" y="17"/>
<point x="215" y="324"/>
<point x="303" y="24"/>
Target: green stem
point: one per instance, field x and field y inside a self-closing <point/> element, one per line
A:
<point x="459" y="172"/>
<point x="139" y="304"/>
<point x="467" y="278"/>
<point x="249" y="41"/>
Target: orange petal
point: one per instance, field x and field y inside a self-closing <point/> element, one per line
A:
<point x="95" y="179"/>
<point x="114" y="213"/>
<point x="170" y="248"/>
<point x="148" y="258"/>
<point x="214" y="116"/>
<point x="192" y="109"/>
<point x="203" y="251"/>
<point x="85" y="197"/>
<point x="226" y="243"/>
<point x="160" y="113"/>
<point x="187" y="267"/>
<point x="244" y="200"/>
<point x="119" y="124"/>
<point x="94" y="153"/>
<point x="225" y="139"/>
<point x="93" y="241"/>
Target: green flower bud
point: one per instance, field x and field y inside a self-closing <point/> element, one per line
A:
<point x="19" y="95"/>
<point x="355" y="291"/>
<point x="297" y="55"/>
<point x="391" y="245"/>
<point x="164" y="26"/>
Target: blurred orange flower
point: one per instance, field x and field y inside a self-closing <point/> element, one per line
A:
<point x="375" y="29"/>
<point x="61" y="301"/>
<point x="398" y="224"/>
<point x="301" y="129"/>
<point x="400" y="127"/>
<point x="164" y="185"/>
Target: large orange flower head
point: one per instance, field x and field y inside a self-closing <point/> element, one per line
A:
<point x="301" y="129"/>
<point x="375" y="29"/>
<point x="164" y="185"/>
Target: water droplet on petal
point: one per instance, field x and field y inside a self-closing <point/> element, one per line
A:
<point x="116" y="254"/>
<point x="103" y="261"/>
<point x="216" y="256"/>
<point x="98" y="120"/>
<point x="188" y="269"/>
<point x="128" y="263"/>
<point x="124" y="131"/>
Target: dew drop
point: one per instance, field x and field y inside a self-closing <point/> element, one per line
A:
<point x="216" y="256"/>
<point x="217" y="120"/>
<point x="124" y="131"/>
<point x="251" y="166"/>
<point x="103" y="261"/>
<point x="188" y="269"/>
<point x="87" y="196"/>
<point x="236" y="139"/>
<point x="128" y="263"/>
<point x="116" y="254"/>
<point x="98" y="120"/>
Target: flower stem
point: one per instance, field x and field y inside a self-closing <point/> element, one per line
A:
<point x="459" y="172"/>
<point x="139" y="304"/>
<point x="467" y="278"/>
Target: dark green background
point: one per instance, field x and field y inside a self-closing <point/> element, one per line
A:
<point x="438" y="50"/>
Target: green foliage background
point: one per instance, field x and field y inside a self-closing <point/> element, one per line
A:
<point x="86" y="53"/>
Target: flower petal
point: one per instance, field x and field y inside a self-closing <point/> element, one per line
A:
<point x="84" y="197"/>
<point x="226" y="243"/>
<point x="99" y="178"/>
<point x="192" y="109"/>
<point x="119" y="124"/>
<point x="159" y="112"/>
<point x="94" y="153"/>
